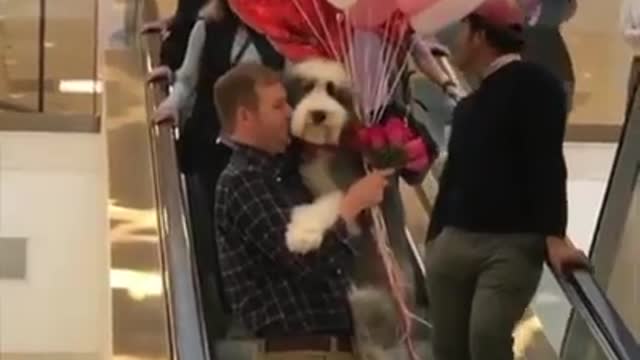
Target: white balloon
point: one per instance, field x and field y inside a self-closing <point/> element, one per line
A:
<point x="342" y="4"/>
<point x="441" y="14"/>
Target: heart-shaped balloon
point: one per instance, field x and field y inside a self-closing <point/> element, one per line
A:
<point x="300" y="29"/>
<point x="297" y="28"/>
<point x="442" y="13"/>
<point x="412" y="7"/>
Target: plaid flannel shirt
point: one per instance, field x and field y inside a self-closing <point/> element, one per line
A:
<point x="265" y="283"/>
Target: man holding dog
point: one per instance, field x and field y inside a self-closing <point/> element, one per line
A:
<point x="296" y="303"/>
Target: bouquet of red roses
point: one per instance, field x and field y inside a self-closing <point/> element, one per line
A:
<point x="393" y="144"/>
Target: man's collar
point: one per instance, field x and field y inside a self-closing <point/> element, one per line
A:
<point x="499" y="63"/>
<point x="254" y="156"/>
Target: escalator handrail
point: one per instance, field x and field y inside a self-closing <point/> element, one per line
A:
<point x="595" y="307"/>
<point x="186" y="324"/>
<point x="583" y="292"/>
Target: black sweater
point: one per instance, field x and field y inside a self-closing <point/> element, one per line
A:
<point x="506" y="171"/>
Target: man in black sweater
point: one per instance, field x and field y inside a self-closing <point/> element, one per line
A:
<point x="502" y="205"/>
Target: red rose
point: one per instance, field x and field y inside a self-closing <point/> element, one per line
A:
<point x="397" y="131"/>
<point x="363" y="138"/>
<point x="377" y="138"/>
<point x="418" y="165"/>
<point x="415" y="149"/>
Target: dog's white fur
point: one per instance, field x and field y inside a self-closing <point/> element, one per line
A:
<point x="322" y="72"/>
<point x="310" y="222"/>
<point x="373" y="309"/>
<point x="322" y="69"/>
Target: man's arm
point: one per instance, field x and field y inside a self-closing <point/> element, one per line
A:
<point x="544" y="116"/>
<point x="547" y="175"/>
<point x="264" y="217"/>
<point x="179" y="104"/>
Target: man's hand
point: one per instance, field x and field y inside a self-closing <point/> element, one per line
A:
<point x="426" y="62"/>
<point x="166" y="113"/>
<point x="364" y="194"/>
<point x="563" y="256"/>
<point x="159" y="26"/>
<point x="160" y="73"/>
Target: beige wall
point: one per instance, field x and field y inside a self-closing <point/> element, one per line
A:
<point x="601" y="63"/>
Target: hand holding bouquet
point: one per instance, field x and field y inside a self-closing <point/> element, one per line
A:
<point x="393" y="144"/>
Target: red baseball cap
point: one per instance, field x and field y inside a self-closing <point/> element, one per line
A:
<point x="501" y="13"/>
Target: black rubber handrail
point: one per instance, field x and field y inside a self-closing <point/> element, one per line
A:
<point x="188" y="337"/>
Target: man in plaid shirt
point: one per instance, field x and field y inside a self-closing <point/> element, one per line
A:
<point x="298" y="303"/>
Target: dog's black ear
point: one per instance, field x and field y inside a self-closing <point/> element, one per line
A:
<point x="343" y="95"/>
<point x="294" y="87"/>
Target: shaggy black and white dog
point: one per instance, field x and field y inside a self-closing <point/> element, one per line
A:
<point x="321" y="97"/>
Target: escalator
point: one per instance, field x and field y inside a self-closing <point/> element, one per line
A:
<point x="191" y="320"/>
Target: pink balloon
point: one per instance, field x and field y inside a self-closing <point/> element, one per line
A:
<point x="412" y="7"/>
<point x="342" y="4"/>
<point x="441" y="14"/>
<point x="371" y="13"/>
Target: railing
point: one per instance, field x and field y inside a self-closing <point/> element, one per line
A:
<point x="187" y="330"/>
<point x="592" y="305"/>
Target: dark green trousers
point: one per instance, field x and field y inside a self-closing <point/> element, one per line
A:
<point x="479" y="286"/>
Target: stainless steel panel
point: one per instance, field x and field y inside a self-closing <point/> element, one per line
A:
<point x="140" y="321"/>
<point x="13" y="258"/>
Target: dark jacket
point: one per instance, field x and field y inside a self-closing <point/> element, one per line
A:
<point x="505" y="172"/>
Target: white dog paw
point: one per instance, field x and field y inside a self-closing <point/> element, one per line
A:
<point x="309" y="223"/>
<point x="301" y="240"/>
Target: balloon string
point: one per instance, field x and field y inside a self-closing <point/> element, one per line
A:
<point x="311" y="26"/>
<point x="342" y="33"/>
<point x="385" y="97"/>
<point x="352" y="65"/>
<point x="398" y="75"/>
<point x="325" y="28"/>
<point x="365" y="51"/>
<point x="381" y="75"/>
<point x="383" y="81"/>
<point x="394" y="278"/>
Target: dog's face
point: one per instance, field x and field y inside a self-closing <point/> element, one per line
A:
<point x="320" y="95"/>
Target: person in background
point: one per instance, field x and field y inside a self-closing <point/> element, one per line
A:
<point x="296" y="305"/>
<point x="502" y="204"/>
<point x="217" y="41"/>
<point x="544" y="43"/>
<point x="175" y="31"/>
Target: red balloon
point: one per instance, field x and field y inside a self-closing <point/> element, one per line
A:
<point x="282" y="21"/>
<point x="300" y="29"/>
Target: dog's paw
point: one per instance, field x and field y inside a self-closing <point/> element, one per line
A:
<point x="303" y="239"/>
<point x="309" y="223"/>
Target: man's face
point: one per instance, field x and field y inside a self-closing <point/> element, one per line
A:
<point x="467" y="46"/>
<point x="272" y="118"/>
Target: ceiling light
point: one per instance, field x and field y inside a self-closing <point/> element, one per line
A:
<point x="49" y="44"/>
<point x="16" y="95"/>
<point x="80" y="86"/>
